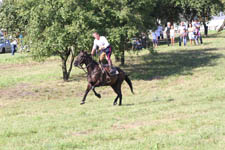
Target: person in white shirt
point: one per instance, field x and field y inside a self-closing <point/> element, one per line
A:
<point x="104" y="48"/>
<point x="172" y="35"/>
<point x="191" y="33"/>
<point x="198" y="36"/>
<point x="167" y="31"/>
<point x="183" y="33"/>
<point x="13" y="46"/>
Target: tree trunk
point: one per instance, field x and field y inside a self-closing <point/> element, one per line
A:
<point x="117" y="58"/>
<point x="122" y="57"/>
<point x="222" y="26"/>
<point x="64" y="69"/>
<point x="64" y="58"/>
<point x="205" y="29"/>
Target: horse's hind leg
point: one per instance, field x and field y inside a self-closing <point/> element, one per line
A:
<point x="115" y="101"/>
<point x="96" y="94"/>
<point x="121" y="96"/>
<point x="86" y="93"/>
<point x="117" y="90"/>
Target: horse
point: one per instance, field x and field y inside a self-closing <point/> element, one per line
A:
<point x="98" y="76"/>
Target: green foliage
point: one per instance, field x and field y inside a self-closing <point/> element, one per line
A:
<point x="201" y="9"/>
<point x="167" y="10"/>
<point x="8" y="16"/>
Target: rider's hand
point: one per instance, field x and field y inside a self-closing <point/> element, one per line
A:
<point x="101" y="48"/>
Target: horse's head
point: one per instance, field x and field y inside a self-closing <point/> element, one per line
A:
<point x="81" y="58"/>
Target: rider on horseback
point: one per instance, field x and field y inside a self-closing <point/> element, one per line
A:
<point x="105" y="50"/>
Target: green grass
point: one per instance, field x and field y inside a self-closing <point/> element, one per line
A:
<point x="179" y="103"/>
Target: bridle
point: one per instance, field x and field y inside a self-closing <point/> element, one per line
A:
<point x="80" y="66"/>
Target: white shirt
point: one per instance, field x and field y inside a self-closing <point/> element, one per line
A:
<point x="101" y="42"/>
<point x="181" y="29"/>
<point x="154" y="36"/>
<point x="196" y="24"/>
<point x="172" y="32"/>
<point x="14" y="42"/>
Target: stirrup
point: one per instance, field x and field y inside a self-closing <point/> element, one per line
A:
<point x="113" y="71"/>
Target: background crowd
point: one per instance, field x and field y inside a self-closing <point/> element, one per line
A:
<point x="183" y="32"/>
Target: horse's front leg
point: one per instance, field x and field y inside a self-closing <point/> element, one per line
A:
<point x="96" y="94"/>
<point x="86" y="93"/>
<point x="93" y="88"/>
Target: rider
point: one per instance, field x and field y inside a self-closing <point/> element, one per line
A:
<point x="104" y="48"/>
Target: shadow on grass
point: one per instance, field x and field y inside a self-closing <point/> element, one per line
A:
<point x="162" y="65"/>
<point x="216" y="35"/>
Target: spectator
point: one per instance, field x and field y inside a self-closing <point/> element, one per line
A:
<point x="182" y="34"/>
<point x="191" y="35"/>
<point x="13" y="46"/>
<point x="154" y="40"/>
<point x="161" y="31"/>
<point x="172" y="35"/>
<point x="158" y="31"/>
<point x="144" y="40"/>
<point x="138" y="44"/>
<point x="167" y="31"/>
<point x="197" y="32"/>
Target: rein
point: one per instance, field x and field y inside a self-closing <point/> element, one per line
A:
<point x="84" y="68"/>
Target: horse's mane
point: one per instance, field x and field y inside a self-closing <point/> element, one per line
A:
<point x="93" y="61"/>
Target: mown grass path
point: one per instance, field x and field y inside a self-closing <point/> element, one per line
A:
<point x="179" y="103"/>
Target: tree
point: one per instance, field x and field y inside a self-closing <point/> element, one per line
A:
<point x="8" y="16"/>
<point x="202" y="9"/>
<point x="64" y="27"/>
<point x="167" y="11"/>
<point x="223" y="25"/>
<point x="61" y="28"/>
<point x="122" y="20"/>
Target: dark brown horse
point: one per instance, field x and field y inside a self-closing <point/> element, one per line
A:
<point x="98" y="76"/>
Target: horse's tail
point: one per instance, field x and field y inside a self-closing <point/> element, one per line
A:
<point x="129" y="83"/>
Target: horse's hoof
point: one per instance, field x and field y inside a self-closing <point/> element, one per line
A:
<point x="99" y="96"/>
<point x="82" y="103"/>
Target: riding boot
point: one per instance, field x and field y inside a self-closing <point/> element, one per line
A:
<point x="111" y="70"/>
<point x="102" y="67"/>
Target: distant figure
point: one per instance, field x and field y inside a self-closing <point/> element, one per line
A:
<point x="182" y="34"/>
<point x="143" y="40"/>
<point x="158" y="31"/>
<point x="13" y="46"/>
<point x="167" y="31"/>
<point x="154" y="39"/>
<point x="161" y="31"/>
<point x="172" y="35"/>
<point x="21" y="41"/>
<point x="191" y="35"/>
<point x="197" y="32"/>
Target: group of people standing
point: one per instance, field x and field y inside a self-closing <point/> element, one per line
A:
<point x="184" y="32"/>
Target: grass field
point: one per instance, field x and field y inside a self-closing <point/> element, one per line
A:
<point x="179" y="103"/>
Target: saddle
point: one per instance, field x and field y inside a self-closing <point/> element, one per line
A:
<point x="107" y="74"/>
<point x="112" y="72"/>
